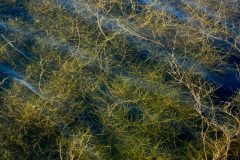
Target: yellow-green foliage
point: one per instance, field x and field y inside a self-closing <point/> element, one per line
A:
<point x="99" y="99"/>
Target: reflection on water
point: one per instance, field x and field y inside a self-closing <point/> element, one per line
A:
<point x="7" y="72"/>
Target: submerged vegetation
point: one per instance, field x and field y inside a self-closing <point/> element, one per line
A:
<point x="119" y="79"/>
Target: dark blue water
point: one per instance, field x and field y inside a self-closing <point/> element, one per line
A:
<point x="224" y="46"/>
<point x="7" y="70"/>
<point x="16" y="10"/>
<point x="134" y="113"/>
<point x="226" y="82"/>
<point x="143" y="56"/>
<point x="143" y="1"/>
<point x="91" y="120"/>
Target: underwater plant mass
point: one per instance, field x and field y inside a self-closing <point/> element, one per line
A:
<point x="120" y="79"/>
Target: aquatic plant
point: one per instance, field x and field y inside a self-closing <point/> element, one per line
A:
<point x="120" y="79"/>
